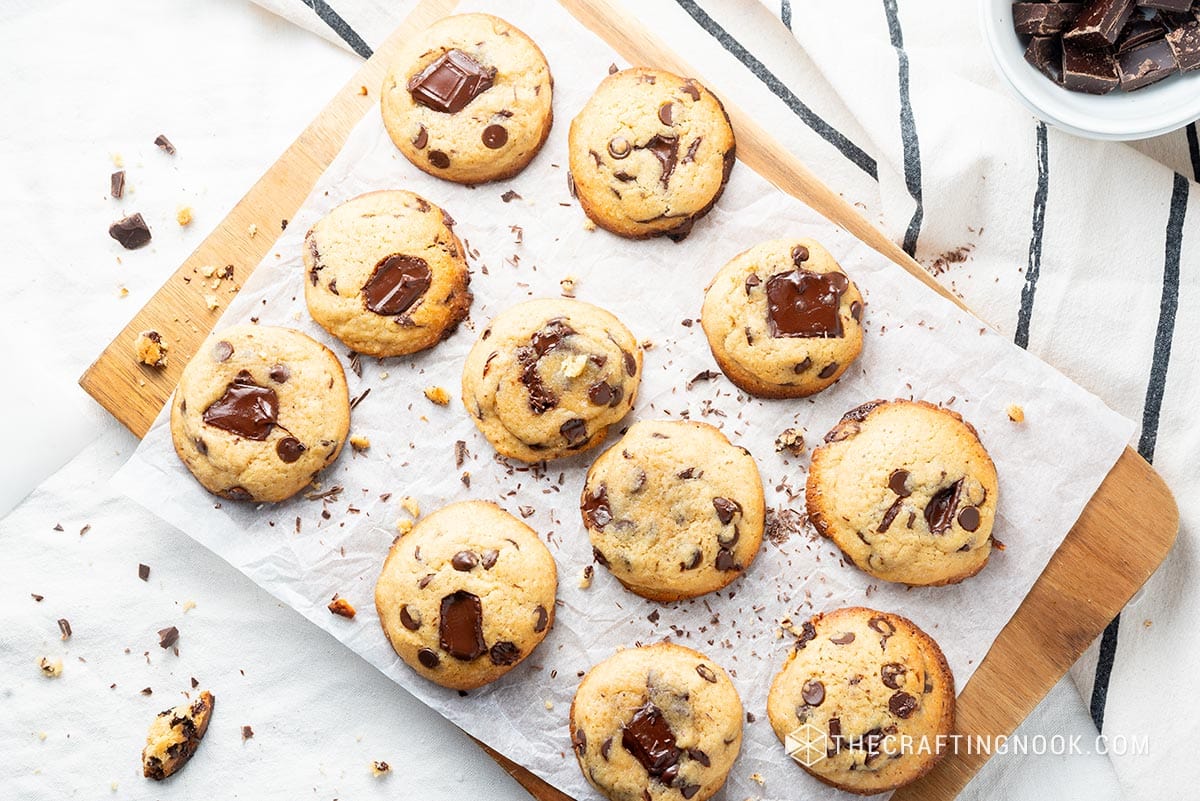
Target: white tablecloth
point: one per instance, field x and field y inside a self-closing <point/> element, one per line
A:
<point x="231" y="85"/>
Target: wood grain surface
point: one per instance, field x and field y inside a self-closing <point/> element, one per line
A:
<point x="1122" y="536"/>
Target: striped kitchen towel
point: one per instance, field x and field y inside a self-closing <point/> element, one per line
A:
<point x="1086" y="253"/>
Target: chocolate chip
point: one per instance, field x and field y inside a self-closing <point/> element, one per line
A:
<point x="726" y="509"/>
<point x="290" y="449"/>
<point x="168" y="637"/>
<point x="504" y="653"/>
<point x="579" y="741"/>
<point x="117" y="184"/>
<point x="280" y="374"/>
<point x="898" y="483"/>
<point x="828" y="370"/>
<point x="939" y="512"/>
<point x="808" y="633"/>
<point x="201" y="446"/>
<point x="222" y="351"/>
<point x="666" y="113"/>
<point x="144" y="572"/>
<point x="706" y="673"/>
<point x="165" y="144"/>
<point x="495" y="136"/>
<point x="892" y="675"/>
<point x="423" y="582"/>
<point x="237" y="494"/>
<point x="439" y="159"/>
<point x="689" y="790"/>
<point x="574" y="431"/>
<point x="488" y="559"/>
<point x="856" y="310"/>
<point x="843" y="639"/>
<point x="619" y="147"/>
<point x="602" y="393"/>
<point x="396" y="284"/>
<point x="452" y="81"/>
<point x="968" y="518"/>
<point x="541" y="619"/>
<point x="889" y="516"/>
<point x="689" y="88"/>
<point x="799" y="255"/>
<point x="725" y="560"/>
<point x="465" y="560"/>
<point x="410" y="620"/>
<point x="752" y="281"/>
<point x="813" y="693"/>
<point x="699" y="756"/>
<point x="694" y="562"/>
<point x="630" y="362"/>
<point x="599" y="556"/>
<point x="421" y="139"/>
<point x="596" y="511"/>
<point x="131" y="232"/>
<point x="804" y="366"/>
<point x="902" y="705"/>
<point x="428" y="658"/>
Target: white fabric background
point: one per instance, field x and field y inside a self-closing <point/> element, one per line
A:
<point x="232" y="85"/>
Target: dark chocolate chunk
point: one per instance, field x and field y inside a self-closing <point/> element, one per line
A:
<point x="693" y="561"/>
<point x="245" y="409"/>
<point x="488" y="558"/>
<point x="968" y="518"/>
<point x="605" y="748"/>
<point x="1185" y="45"/>
<point x="504" y="653"/>
<point x="541" y="619"/>
<point x="706" y="673"/>
<point x="144" y="572"/>
<point x="461" y="626"/>
<point x="804" y="366"/>
<point x="726" y="509"/>
<point x="799" y="255"/>
<point x="396" y="284"/>
<point x="1139" y="31"/>
<point x="808" y="633"/>
<point x="1100" y="23"/>
<point x="439" y="159"/>
<point x="117" y="184"/>
<point x="168" y="637"/>
<point x="465" y="560"/>
<point x="618" y="148"/>
<point x="1146" y="64"/>
<point x="165" y="144"/>
<point x="666" y="113"/>
<point x="1177" y="6"/>
<point x="495" y="136"/>
<point x="1045" y="54"/>
<point x="898" y="483"/>
<point x="691" y="89"/>
<point x="599" y="556"/>
<point x="574" y="431"/>
<point x="752" y="281"/>
<point x="649" y="738"/>
<point x="579" y="741"/>
<point x="902" y="705"/>
<point x="222" y="351"/>
<point x="690" y="155"/>
<point x="421" y="139"/>
<point x="290" y="449"/>
<point x="889" y="515"/>
<point x="451" y="82"/>
<point x="237" y="494"/>
<point x="596" y="512"/>
<point x="804" y="304"/>
<point x="666" y="150"/>
<point x="602" y="393"/>
<point x="689" y="790"/>
<point x="828" y="370"/>
<point x="1043" y="19"/>
<point x="892" y="675"/>
<point x="630" y="363"/>
<point x="410" y="620"/>
<point x="428" y="658"/>
<point x="843" y="639"/>
<point x="813" y="692"/>
<point x="131" y="232"/>
<point x="939" y="512"/>
<point x="725" y="560"/>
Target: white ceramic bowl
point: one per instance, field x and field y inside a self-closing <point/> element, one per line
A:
<point x="1158" y="109"/>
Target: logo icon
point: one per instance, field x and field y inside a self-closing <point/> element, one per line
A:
<point x="807" y="745"/>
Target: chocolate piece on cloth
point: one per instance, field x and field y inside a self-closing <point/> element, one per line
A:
<point x="1090" y="71"/>
<point x="1043" y="19"/>
<point x="1185" y="44"/>
<point x="1100" y="24"/>
<point x="1147" y="64"/>
<point x="1045" y="54"/>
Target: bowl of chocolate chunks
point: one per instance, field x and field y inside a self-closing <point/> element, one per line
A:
<point x="1103" y="69"/>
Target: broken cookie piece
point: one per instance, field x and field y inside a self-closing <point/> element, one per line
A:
<point x="151" y="349"/>
<point x="340" y="606"/>
<point x="790" y="440"/>
<point x="174" y="737"/>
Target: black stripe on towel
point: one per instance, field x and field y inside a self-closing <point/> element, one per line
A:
<point x="908" y="131"/>
<point x="1150" y="411"/>
<point x="1033" y="269"/>
<point x="823" y="129"/>
<point x="785" y="14"/>
<point x="1193" y="150"/>
<point x="339" y="26"/>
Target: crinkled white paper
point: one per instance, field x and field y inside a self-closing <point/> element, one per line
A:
<point x="917" y="344"/>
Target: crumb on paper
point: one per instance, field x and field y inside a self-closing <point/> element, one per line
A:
<point x="585" y="579"/>
<point x="1147" y="622"/>
<point x="647" y="344"/>
<point x="438" y="395"/>
<point x="174" y="737"/>
<point x="362" y="91"/>
<point x="589" y="224"/>
<point x="1015" y="413"/>
<point x="380" y="768"/>
<point x="568" y="285"/>
<point x="208" y="271"/>
<point x="118" y="160"/>
<point x="123" y="292"/>
<point x="51" y="668"/>
<point x="151" y="349"/>
<point x="359" y="443"/>
<point x="549" y="705"/>
<point x="404" y="525"/>
<point x="211" y="302"/>
<point x="790" y="440"/>
<point x="188" y="606"/>
<point x="341" y="607"/>
<point x="758" y="779"/>
<point x="410" y="504"/>
<point x="247" y="732"/>
<point x="184" y="215"/>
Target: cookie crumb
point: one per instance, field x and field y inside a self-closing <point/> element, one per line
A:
<point x="118" y="160"/>
<point x="252" y="230"/>
<point x="549" y="705"/>
<point x="568" y="286"/>
<point x="341" y="607"/>
<point x="174" y="737"/>
<point x="151" y="349"/>
<point x="790" y="440"/>
<point x="585" y="580"/>
<point x="188" y="606"/>
<point x="410" y="505"/>
<point x="362" y="91"/>
<point x="247" y="732"/>
<point x="123" y="292"/>
<point x="359" y="443"/>
<point x="1015" y="413"/>
<point x="758" y="779"/>
<point x="404" y="525"/>
<point x="573" y="366"/>
<point x="380" y="768"/>
<point x="588" y="225"/>
<point x="438" y="395"/>
<point x="184" y="215"/>
<point x="211" y="302"/>
<point x="51" y="668"/>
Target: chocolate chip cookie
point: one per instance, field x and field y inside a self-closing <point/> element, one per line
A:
<point x="907" y="491"/>
<point x="659" y="722"/>
<point x="862" y="700"/>
<point x="259" y="411"/>
<point x="782" y="319"/>
<point x="385" y="274"/>
<point x="467" y="594"/>
<point x="469" y="100"/>
<point x="674" y="510"/>
<point x="650" y="153"/>
<point x="548" y="377"/>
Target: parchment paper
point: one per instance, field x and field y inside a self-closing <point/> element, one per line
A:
<point x="917" y="344"/>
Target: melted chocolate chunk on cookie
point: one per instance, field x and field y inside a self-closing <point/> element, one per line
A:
<point x="699" y="756"/>
<point x="396" y="284"/>
<point x="451" y="82"/>
<point x="603" y="393"/>
<point x="222" y="351"/>
<point x="898" y="483"/>
<point x="843" y="639"/>
<point x="726" y="509"/>
<point x="968" y="518"/>
<point x="690" y="155"/>
<point x="290" y="449"/>
<point x="649" y="738"/>
<point x="725" y="561"/>
<point x="574" y="431"/>
<point x="245" y="409"/>
<point x="461" y="626"/>
<point x="813" y="692"/>
<point x="541" y="399"/>
<point x="808" y="633"/>
<point x="804" y="304"/>
<point x="495" y="136"/>
<point x="860" y="412"/>
<point x="666" y="150"/>
<point x="488" y="558"/>
<point x="902" y="705"/>
<point x="504" y="653"/>
<point x="599" y="556"/>
<point x="541" y="619"/>
<point x="666" y="113"/>
<point x="596" y="510"/>
<point x="280" y="374"/>
<point x="411" y="620"/>
<point x="939" y="512"/>
<point x="892" y="675"/>
<point x="421" y="139"/>
<point x="464" y="561"/>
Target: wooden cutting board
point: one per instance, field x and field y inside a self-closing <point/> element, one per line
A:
<point x="1099" y="566"/>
